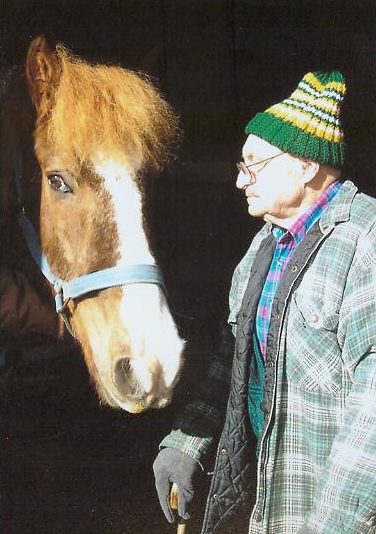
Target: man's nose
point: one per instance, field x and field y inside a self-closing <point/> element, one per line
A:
<point x="243" y="180"/>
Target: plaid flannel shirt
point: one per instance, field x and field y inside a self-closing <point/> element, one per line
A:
<point x="317" y="464"/>
<point x="286" y="242"/>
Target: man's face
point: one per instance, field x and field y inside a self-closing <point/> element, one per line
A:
<point x="273" y="188"/>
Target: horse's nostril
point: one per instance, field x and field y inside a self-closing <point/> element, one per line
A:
<point x="125" y="379"/>
<point x="124" y="367"/>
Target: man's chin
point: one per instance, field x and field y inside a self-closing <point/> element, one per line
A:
<point x="254" y="211"/>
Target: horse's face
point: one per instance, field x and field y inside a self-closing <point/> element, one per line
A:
<point x="91" y="219"/>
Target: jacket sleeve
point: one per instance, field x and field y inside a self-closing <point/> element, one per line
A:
<point x="197" y="429"/>
<point x="24" y="315"/>
<point x="345" y="499"/>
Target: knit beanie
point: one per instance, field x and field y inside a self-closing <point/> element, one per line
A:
<point x="307" y="124"/>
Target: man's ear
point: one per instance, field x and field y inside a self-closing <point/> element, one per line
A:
<point x="310" y="169"/>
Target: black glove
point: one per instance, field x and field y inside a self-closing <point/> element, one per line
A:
<point x="172" y="466"/>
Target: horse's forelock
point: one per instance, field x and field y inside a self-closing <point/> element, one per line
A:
<point x="110" y="109"/>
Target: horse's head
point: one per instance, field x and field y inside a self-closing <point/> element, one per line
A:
<point x="96" y="131"/>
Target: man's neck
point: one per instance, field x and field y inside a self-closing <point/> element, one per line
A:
<point x="313" y="191"/>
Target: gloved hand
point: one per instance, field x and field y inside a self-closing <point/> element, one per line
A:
<point x="172" y="466"/>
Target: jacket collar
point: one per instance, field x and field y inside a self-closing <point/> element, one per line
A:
<point x="340" y="207"/>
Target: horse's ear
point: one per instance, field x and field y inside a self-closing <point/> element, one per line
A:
<point x="42" y="74"/>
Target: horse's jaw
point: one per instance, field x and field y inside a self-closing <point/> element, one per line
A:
<point x="131" y="346"/>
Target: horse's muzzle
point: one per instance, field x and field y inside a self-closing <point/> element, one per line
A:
<point x="138" y="391"/>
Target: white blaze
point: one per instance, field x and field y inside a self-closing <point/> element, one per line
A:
<point x="127" y="204"/>
<point x="155" y="344"/>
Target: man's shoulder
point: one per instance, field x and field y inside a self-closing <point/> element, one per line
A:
<point x="362" y="215"/>
<point x="242" y="272"/>
<point x="351" y="206"/>
<point x="364" y="207"/>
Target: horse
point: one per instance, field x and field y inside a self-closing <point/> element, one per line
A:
<point x="96" y="131"/>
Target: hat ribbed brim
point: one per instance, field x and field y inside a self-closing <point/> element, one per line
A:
<point x="296" y="141"/>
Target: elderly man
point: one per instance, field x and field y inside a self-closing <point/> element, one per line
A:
<point x="303" y="312"/>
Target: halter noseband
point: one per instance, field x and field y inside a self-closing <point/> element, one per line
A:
<point x="87" y="283"/>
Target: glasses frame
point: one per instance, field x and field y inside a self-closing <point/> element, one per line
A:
<point x="245" y="169"/>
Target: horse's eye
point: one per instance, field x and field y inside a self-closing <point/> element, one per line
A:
<point x="57" y="183"/>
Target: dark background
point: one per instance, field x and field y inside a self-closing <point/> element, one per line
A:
<point x="69" y="465"/>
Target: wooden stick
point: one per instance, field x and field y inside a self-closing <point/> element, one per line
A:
<point x="174" y="497"/>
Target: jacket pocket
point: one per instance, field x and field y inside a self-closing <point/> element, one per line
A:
<point x="313" y="356"/>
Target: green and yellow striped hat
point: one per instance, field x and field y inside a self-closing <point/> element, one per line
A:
<point x="307" y="124"/>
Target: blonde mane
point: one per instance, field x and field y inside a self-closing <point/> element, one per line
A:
<point x="110" y="110"/>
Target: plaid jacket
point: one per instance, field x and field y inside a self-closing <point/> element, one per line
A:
<point x="317" y="463"/>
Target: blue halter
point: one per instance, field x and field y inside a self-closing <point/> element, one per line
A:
<point x="87" y="283"/>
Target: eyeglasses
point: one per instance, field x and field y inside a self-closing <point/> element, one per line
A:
<point x="242" y="167"/>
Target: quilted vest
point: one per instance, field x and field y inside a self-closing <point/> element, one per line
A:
<point x="233" y="479"/>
